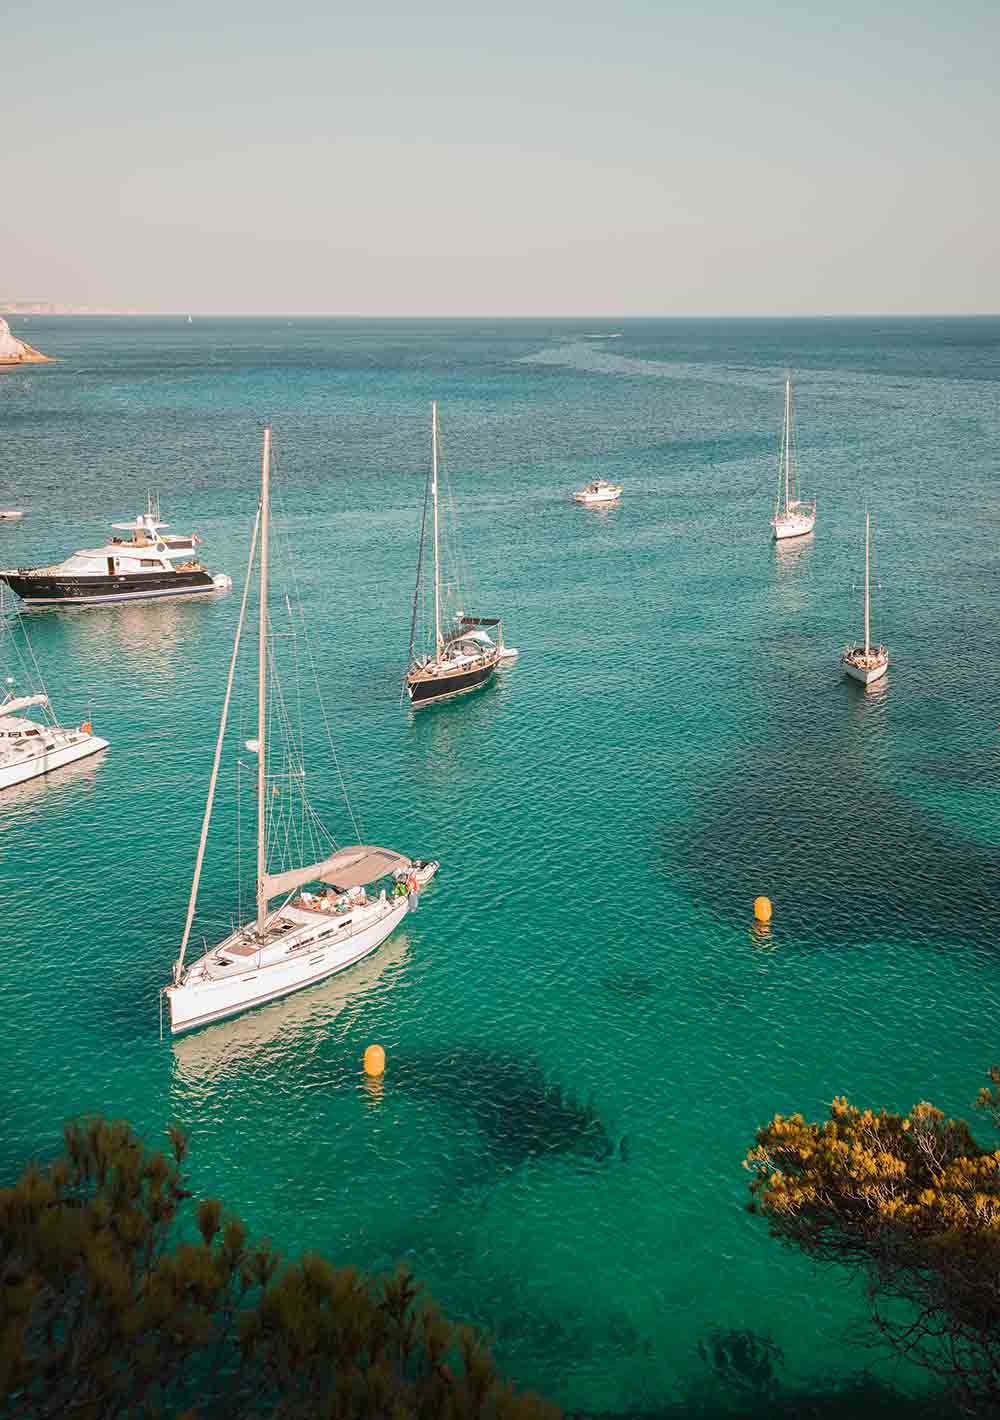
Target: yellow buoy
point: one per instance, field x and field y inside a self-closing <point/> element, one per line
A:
<point x="374" y="1060"/>
<point x="762" y="909"/>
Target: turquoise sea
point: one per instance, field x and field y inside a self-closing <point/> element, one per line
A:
<point x="583" y="1027"/>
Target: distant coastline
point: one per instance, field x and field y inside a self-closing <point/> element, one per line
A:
<point x="49" y="308"/>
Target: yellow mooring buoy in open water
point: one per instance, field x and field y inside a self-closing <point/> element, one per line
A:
<point x="374" y="1060"/>
<point x="762" y="909"/>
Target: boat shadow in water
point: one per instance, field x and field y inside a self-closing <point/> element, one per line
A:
<point x="890" y="871"/>
<point x="519" y="1113"/>
<point x="858" y="1396"/>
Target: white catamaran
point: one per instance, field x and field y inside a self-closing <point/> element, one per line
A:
<point x="325" y="921"/>
<point x="866" y="663"/>
<point x="792" y="516"/>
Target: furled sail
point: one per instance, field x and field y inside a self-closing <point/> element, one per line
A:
<point x="23" y="702"/>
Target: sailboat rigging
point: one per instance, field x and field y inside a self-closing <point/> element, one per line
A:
<point x="866" y="663"/>
<point x="325" y="921"/>
<point x="29" y="747"/>
<point x="793" y="517"/>
<point x="465" y="655"/>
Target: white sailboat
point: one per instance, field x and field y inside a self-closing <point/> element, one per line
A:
<point x="28" y="747"/>
<point x="866" y="663"/>
<point x="325" y="921"/>
<point x="793" y="517"/>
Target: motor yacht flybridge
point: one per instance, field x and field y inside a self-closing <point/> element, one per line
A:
<point x="148" y="562"/>
<point x="464" y="655"/>
<point x="324" y="920"/>
<point x="793" y="516"/>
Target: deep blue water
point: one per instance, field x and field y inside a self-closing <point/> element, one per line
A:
<point x="583" y="1028"/>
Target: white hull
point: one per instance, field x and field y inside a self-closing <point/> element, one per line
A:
<point x="318" y="954"/>
<point x="203" y="1056"/>
<point x="10" y="515"/>
<point x="792" y="525"/>
<point x="16" y="768"/>
<point x="866" y="674"/>
<point x="591" y="499"/>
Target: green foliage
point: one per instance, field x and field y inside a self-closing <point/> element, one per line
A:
<point x="913" y="1203"/>
<point x="108" y="1309"/>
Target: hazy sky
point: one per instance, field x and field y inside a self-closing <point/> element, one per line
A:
<point x="629" y="158"/>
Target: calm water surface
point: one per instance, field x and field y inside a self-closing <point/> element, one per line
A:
<point x="583" y="1028"/>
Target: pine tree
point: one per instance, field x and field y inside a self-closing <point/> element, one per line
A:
<point x="107" y="1310"/>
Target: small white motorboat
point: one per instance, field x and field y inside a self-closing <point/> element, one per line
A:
<point x="599" y="491"/>
<point x="423" y="869"/>
<point x="866" y="663"/>
<point x="11" y="515"/>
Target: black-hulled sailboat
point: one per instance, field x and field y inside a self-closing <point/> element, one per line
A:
<point x="465" y="656"/>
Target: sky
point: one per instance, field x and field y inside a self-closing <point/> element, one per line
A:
<point x="629" y="158"/>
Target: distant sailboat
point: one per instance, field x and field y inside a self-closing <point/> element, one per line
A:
<point x="866" y="663"/>
<point x="792" y="516"/>
<point x="189" y="320"/>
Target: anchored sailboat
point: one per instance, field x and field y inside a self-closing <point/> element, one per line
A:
<point x="465" y="656"/>
<point x="28" y="747"/>
<point x="792" y="516"/>
<point x="325" y="921"/>
<point x="866" y="663"/>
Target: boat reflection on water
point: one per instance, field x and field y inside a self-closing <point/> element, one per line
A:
<point x="80" y="776"/>
<point x="790" y="553"/>
<point x="233" y="1046"/>
<point x="156" y="637"/>
<point x="876" y="689"/>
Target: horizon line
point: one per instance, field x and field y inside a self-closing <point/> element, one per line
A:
<point x="182" y="315"/>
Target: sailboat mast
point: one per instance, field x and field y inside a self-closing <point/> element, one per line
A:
<point x="867" y="588"/>
<point x="265" y="510"/>
<point x="788" y="432"/>
<point x="434" y="489"/>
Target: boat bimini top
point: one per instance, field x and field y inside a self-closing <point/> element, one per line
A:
<point x="348" y="867"/>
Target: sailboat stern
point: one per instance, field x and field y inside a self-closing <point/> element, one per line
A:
<point x="865" y="668"/>
<point x="798" y="521"/>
